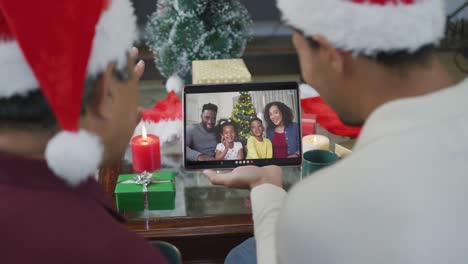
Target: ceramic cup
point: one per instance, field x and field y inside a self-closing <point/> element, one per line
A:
<point x="314" y="160"/>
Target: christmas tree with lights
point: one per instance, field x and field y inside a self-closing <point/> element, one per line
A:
<point x="243" y="111"/>
<point x="181" y="31"/>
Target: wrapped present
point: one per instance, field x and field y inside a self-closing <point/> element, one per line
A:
<point x="220" y="71"/>
<point x="156" y="190"/>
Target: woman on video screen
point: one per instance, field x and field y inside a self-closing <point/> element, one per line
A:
<point x="281" y="130"/>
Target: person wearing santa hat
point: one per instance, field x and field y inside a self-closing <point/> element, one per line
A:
<point x="400" y="197"/>
<point x="68" y="104"/>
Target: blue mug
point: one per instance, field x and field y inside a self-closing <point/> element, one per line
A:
<point x="314" y="160"/>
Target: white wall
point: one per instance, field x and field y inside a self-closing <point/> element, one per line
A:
<point x="226" y="102"/>
<point x="195" y="102"/>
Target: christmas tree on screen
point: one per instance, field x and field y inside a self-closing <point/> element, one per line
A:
<point x="243" y="111"/>
<point x="181" y="31"/>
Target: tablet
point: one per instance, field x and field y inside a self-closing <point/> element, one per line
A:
<point x="231" y="125"/>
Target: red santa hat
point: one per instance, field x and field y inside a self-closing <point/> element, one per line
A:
<point x="164" y="119"/>
<point x="53" y="45"/>
<point x="369" y="26"/>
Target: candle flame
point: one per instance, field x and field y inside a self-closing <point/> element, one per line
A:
<point x="143" y="132"/>
<point x="313" y="139"/>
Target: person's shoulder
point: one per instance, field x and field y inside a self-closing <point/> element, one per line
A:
<point x="238" y="145"/>
<point x="294" y="125"/>
<point x="97" y="226"/>
<point x="192" y="127"/>
<point x="267" y="140"/>
<point x="252" y="139"/>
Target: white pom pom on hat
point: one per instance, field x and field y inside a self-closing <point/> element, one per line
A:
<point x="74" y="156"/>
<point x="82" y="32"/>
<point x="368" y="26"/>
<point x="175" y="83"/>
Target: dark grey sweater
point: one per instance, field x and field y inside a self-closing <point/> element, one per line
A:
<point x="199" y="141"/>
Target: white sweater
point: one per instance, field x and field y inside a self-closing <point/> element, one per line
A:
<point x="401" y="197"/>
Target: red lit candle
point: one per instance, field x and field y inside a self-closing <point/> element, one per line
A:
<point x="146" y="152"/>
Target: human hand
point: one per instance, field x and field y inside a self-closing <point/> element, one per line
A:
<point x="204" y="157"/>
<point x="246" y="177"/>
<point x="225" y="143"/>
<point x="140" y="66"/>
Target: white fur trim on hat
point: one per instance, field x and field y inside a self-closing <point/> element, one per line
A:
<point x="74" y="156"/>
<point x="175" y="83"/>
<point x="368" y="28"/>
<point x="115" y="34"/>
<point x="167" y="131"/>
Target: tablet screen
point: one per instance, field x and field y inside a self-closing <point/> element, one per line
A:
<point x="230" y="125"/>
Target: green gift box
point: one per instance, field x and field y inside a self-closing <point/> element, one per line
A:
<point x="160" y="194"/>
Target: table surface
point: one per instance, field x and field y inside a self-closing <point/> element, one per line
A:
<point x="195" y="195"/>
<point x="201" y="208"/>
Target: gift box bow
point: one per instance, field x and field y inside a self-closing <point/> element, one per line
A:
<point x="145" y="178"/>
<point x="137" y="192"/>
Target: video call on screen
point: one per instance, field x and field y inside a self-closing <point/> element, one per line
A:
<point x="245" y="124"/>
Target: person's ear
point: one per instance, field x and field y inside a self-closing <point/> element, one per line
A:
<point x="103" y="95"/>
<point x="335" y="57"/>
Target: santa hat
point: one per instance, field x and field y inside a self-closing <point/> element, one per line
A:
<point x="53" y="45"/>
<point x="369" y="26"/>
<point x="164" y="119"/>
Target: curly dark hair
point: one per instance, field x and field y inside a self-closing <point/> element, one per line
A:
<point x="221" y="124"/>
<point x="285" y="111"/>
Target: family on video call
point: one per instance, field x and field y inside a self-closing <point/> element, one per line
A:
<point x="276" y="136"/>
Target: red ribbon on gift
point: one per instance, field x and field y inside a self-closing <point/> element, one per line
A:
<point x="169" y="108"/>
<point x="328" y="118"/>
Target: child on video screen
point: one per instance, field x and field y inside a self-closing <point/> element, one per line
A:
<point x="228" y="149"/>
<point x="258" y="147"/>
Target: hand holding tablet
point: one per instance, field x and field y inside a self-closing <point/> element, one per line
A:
<point x="247" y="177"/>
<point x="224" y="128"/>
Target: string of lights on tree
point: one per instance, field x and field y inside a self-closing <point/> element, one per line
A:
<point x="243" y="111"/>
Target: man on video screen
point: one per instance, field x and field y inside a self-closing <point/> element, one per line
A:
<point x="201" y="138"/>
